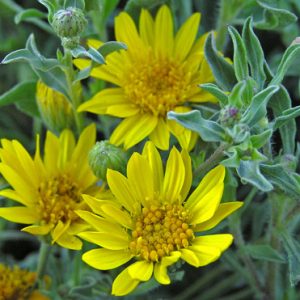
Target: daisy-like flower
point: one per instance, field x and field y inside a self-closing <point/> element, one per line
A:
<point x="158" y="73"/>
<point x="154" y="221"/>
<point x="49" y="189"/>
<point x="17" y="284"/>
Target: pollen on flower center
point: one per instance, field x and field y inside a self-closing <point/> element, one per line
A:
<point x="15" y="283"/>
<point x="156" y="85"/>
<point x="58" y="198"/>
<point x="160" y="230"/>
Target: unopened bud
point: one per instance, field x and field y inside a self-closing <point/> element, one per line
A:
<point x="55" y="109"/>
<point x="229" y="116"/>
<point x="69" y="24"/>
<point x="105" y="156"/>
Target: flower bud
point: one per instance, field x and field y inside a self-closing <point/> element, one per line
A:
<point x="69" y="24"/>
<point x="229" y="116"/>
<point x="105" y="156"/>
<point x="55" y="109"/>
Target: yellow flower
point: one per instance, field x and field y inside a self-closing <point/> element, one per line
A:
<point x="17" y="284"/>
<point x="49" y="189"/>
<point x="54" y="107"/>
<point x="154" y="220"/>
<point x="160" y="72"/>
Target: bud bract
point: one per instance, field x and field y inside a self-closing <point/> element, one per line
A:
<point x="105" y="156"/>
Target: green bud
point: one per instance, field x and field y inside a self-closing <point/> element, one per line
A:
<point x="229" y="116"/>
<point x="105" y="156"/>
<point x="69" y="24"/>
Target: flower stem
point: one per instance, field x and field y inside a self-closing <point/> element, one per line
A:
<point x="215" y="158"/>
<point x="44" y="252"/>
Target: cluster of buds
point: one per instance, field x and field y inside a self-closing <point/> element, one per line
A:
<point x="229" y="116"/>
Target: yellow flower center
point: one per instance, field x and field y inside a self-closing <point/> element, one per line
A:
<point x="156" y="85"/>
<point x="15" y="283"/>
<point x="160" y="230"/>
<point x="58" y="199"/>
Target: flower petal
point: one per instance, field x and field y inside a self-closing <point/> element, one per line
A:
<point x="219" y="241"/>
<point x="160" y="136"/>
<point x="190" y="257"/>
<point x="19" y="214"/>
<point x="124" y="284"/>
<point x="69" y="241"/>
<point x="174" y="177"/>
<point x="66" y="148"/>
<point x="146" y="27"/>
<point x="163" y="32"/>
<point x="186" y="36"/>
<point x="112" y="240"/>
<point x="160" y="268"/>
<point x="141" y="270"/>
<point x="104" y="259"/>
<point x="38" y="229"/>
<point x="224" y="210"/>
<point x="205" y="254"/>
<point x="188" y="174"/>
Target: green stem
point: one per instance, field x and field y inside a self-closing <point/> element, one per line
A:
<point x="77" y="268"/>
<point x="214" y="159"/>
<point x="42" y="262"/>
<point x="75" y="100"/>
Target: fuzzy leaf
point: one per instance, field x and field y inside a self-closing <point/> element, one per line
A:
<point x="222" y="70"/>
<point x="29" y="14"/>
<point x="92" y="53"/>
<point x="110" y="47"/>
<point x="214" y="90"/>
<point x="209" y="131"/>
<point x="249" y="171"/>
<point x="258" y="107"/>
<point x="254" y="52"/>
<point x="287" y="115"/>
<point x="260" y="140"/>
<point x="265" y="253"/>
<point x="239" y="57"/>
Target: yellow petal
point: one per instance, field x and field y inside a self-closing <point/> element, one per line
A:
<point x="124" y="284"/>
<point x="59" y="230"/>
<point x="155" y="162"/>
<point x="188" y="178"/>
<point x="99" y="223"/>
<point x="186" y="36"/>
<point x="11" y="194"/>
<point x="219" y="241"/>
<point x="19" y="214"/>
<point x="190" y="257"/>
<point x="96" y="204"/>
<point x="133" y="130"/>
<point x="146" y="27"/>
<point x="140" y="178"/>
<point x="104" y="259"/>
<point x="141" y="270"/>
<point x="174" y="177"/>
<point x="163" y="32"/>
<point x="112" y="240"/>
<point x="51" y="151"/>
<point x="207" y="205"/>
<point x="36" y="295"/>
<point x="224" y="210"/>
<point x="99" y="103"/>
<point x="94" y="43"/>
<point x="125" y="31"/>
<point x="119" y="186"/>
<point x="123" y="110"/>
<point x="160" y="136"/>
<point x="118" y="215"/>
<point x="160" y="268"/>
<point x="198" y="47"/>
<point x="38" y="229"/>
<point x="66" y="147"/>
<point x="210" y="180"/>
<point x="205" y="254"/>
<point x="69" y="241"/>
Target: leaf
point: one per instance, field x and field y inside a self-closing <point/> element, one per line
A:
<point x="209" y="131"/>
<point x="255" y="54"/>
<point x="29" y="14"/>
<point x="92" y="53"/>
<point x="222" y="70"/>
<point x="23" y="95"/>
<point x="249" y="171"/>
<point x="239" y="57"/>
<point x="292" y="247"/>
<point x="214" y="90"/>
<point x="287" y="115"/>
<point x="283" y="179"/>
<point x="258" y="107"/>
<point x="235" y="98"/>
<point x="279" y="103"/>
<point x="51" y="6"/>
<point x="274" y="17"/>
<point x="261" y="139"/>
<point x="265" y="253"/>
<point x="290" y="53"/>
<point x="75" y="3"/>
<point x="110" y="47"/>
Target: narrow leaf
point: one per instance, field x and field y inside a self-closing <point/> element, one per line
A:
<point x="214" y="90"/>
<point x="110" y="47"/>
<point x="265" y="253"/>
